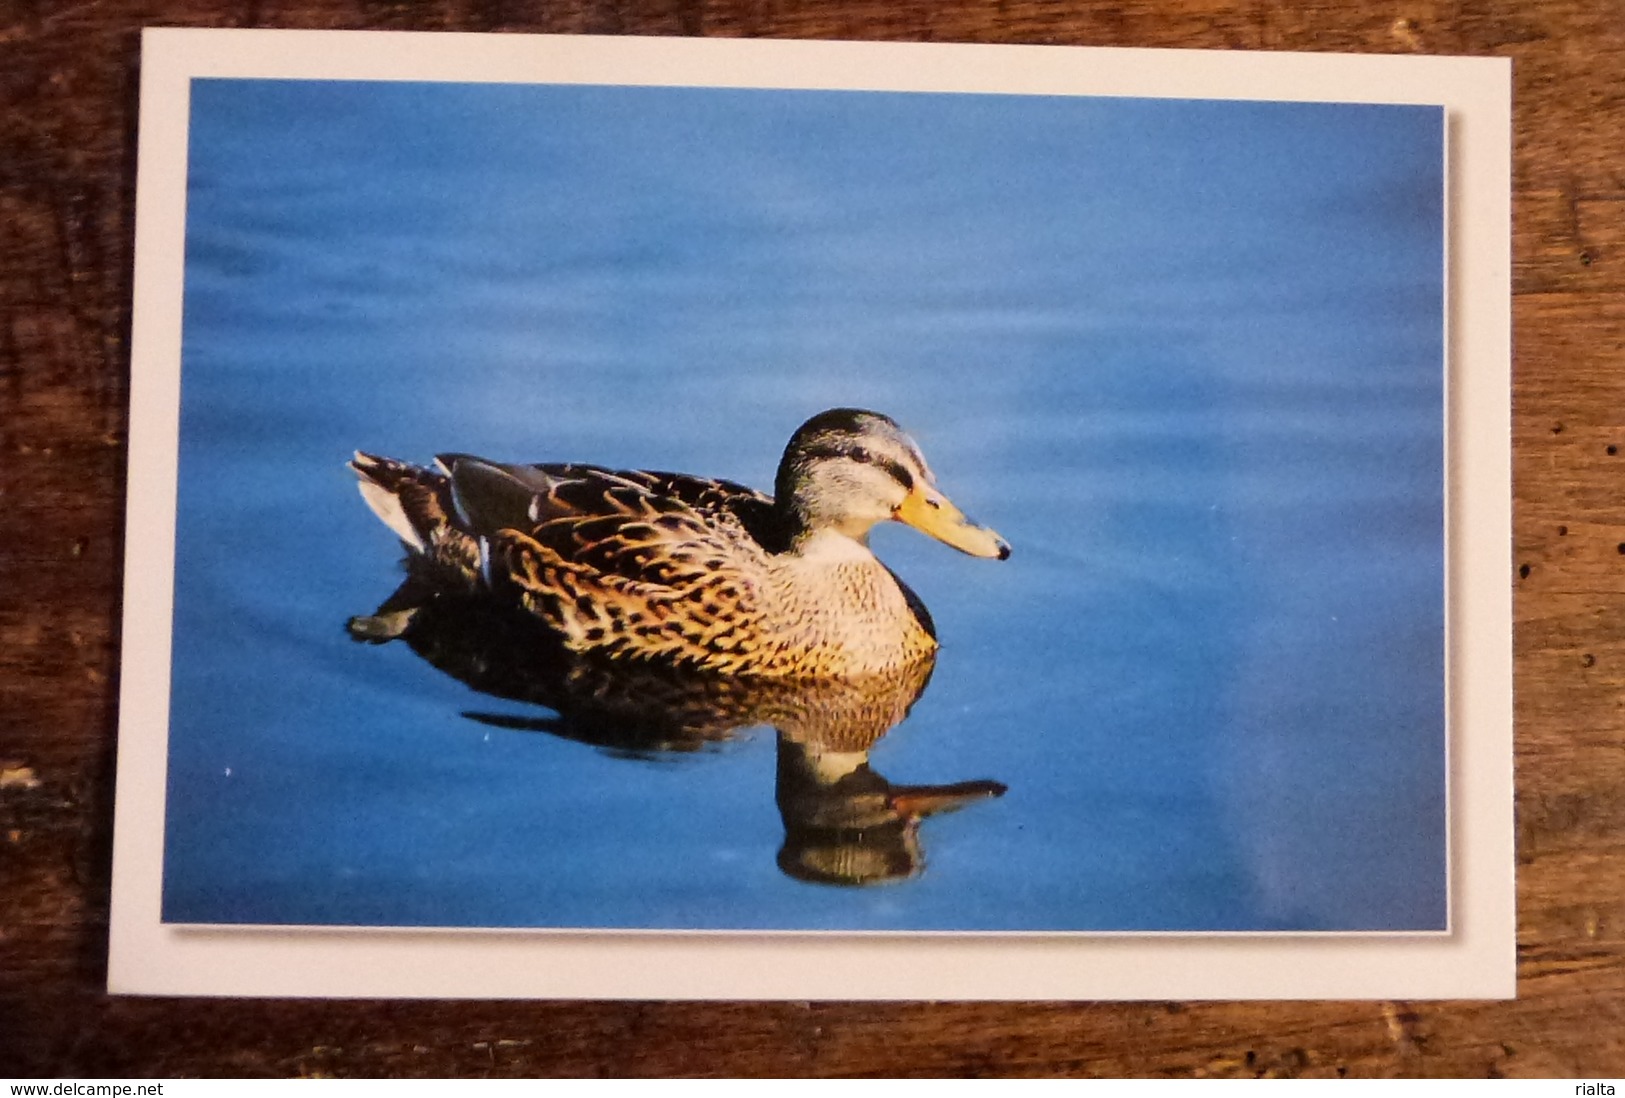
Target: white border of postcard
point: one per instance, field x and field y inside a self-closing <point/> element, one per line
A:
<point x="1474" y="959"/>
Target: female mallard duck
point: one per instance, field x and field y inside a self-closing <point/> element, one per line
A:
<point x="680" y="569"/>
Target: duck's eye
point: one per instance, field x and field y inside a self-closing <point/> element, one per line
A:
<point x="861" y="454"/>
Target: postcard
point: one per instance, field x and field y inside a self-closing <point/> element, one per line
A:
<point x="697" y="519"/>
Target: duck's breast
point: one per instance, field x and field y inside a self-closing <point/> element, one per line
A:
<point x="846" y="614"/>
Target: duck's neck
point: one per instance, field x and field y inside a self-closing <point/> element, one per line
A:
<point x="828" y="545"/>
<point x="804" y="533"/>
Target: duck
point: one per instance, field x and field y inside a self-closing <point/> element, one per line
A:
<point x="638" y="566"/>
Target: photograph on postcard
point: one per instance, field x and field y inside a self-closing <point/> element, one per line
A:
<point x="748" y="509"/>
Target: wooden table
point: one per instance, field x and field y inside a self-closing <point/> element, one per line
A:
<point x="67" y="145"/>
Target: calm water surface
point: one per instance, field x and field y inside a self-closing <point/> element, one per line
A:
<point x="1185" y="357"/>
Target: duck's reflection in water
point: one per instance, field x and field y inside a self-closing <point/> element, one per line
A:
<point x="844" y="823"/>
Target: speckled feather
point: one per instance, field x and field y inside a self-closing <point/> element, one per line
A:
<point x="635" y="565"/>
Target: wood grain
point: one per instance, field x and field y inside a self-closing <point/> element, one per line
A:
<point x="67" y="108"/>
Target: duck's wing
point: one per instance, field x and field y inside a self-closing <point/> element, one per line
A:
<point x="628" y="564"/>
<point x="489" y="495"/>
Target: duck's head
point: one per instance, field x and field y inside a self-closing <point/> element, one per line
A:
<point x="846" y="470"/>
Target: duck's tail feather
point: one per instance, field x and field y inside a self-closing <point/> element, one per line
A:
<point x="413" y="502"/>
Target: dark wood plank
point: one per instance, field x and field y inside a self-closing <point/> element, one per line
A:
<point x="67" y="109"/>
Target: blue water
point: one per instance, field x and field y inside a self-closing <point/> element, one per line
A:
<point x="1185" y="356"/>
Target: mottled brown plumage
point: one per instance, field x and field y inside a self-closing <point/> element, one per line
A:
<point x="634" y="565"/>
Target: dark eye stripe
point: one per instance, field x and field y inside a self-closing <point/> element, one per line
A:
<point x="821" y="453"/>
<point x="900" y="474"/>
<point x="895" y="469"/>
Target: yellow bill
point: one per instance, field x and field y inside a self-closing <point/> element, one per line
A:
<point x="931" y="512"/>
